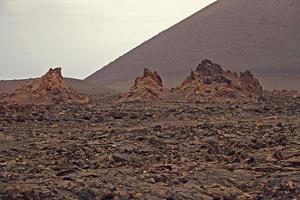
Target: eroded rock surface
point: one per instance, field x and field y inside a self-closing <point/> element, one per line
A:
<point x="209" y="82"/>
<point x="147" y="88"/>
<point x="48" y="89"/>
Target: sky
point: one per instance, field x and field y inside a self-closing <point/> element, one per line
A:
<point x="81" y="36"/>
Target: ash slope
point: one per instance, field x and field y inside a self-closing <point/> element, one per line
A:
<point x="258" y="35"/>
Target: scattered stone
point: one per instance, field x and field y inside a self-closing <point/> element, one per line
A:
<point x="65" y="172"/>
<point x="167" y="151"/>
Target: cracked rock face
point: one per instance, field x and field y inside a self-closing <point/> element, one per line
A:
<point x="146" y="88"/>
<point x="48" y="89"/>
<point x="209" y="82"/>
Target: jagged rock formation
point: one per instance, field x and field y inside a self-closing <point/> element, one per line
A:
<point x="211" y="83"/>
<point x="146" y="88"/>
<point x="48" y="89"/>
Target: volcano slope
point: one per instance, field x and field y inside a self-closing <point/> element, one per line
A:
<point x="151" y="151"/>
<point x="259" y="35"/>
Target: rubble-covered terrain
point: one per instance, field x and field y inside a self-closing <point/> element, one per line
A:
<point x="169" y="151"/>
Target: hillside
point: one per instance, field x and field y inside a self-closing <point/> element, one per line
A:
<point x="239" y="34"/>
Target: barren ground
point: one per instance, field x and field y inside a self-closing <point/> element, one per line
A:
<point x="145" y="151"/>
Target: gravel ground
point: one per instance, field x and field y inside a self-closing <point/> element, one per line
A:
<point x="151" y="151"/>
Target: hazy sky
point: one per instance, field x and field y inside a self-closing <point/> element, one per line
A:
<point x="79" y="35"/>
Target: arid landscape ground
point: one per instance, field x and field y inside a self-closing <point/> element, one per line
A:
<point x="221" y="138"/>
<point x="151" y="151"/>
<point x="162" y="122"/>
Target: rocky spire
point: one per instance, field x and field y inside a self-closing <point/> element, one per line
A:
<point x="48" y="89"/>
<point x="209" y="82"/>
<point x="208" y="68"/>
<point x="146" y="88"/>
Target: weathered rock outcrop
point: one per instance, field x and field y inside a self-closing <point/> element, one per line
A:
<point x="48" y="89"/>
<point x="209" y="82"/>
<point x="147" y="88"/>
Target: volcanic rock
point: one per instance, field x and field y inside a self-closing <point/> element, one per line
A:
<point x="209" y="82"/>
<point x="48" y="89"/>
<point x="146" y="88"/>
<point x="286" y="93"/>
<point x="167" y="151"/>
